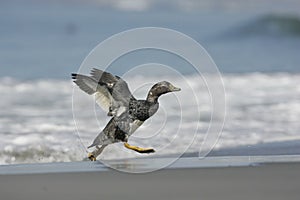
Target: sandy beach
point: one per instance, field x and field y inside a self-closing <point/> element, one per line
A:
<point x="86" y="180"/>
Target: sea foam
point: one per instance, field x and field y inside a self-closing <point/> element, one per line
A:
<point x="37" y="124"/>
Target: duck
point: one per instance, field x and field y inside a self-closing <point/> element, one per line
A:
<point x="127" y="113"/>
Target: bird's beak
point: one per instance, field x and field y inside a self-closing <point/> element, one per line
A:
<point x="174" y="89"/>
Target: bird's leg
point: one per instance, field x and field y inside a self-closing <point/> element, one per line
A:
<point x="94" y="154"/>
<point x="139" y="149"/>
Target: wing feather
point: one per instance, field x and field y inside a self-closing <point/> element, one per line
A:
<point x="104" y="77"/>
<point x="116" y="86"/>
<point x="91" y="86"/>
<point x="87" y="84"/>
<point x="103" y="99"/>
<point x="110" y="91"/>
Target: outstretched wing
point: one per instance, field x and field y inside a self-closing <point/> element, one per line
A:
<point x="116" y="86"/>
<point x="111" y="92"/>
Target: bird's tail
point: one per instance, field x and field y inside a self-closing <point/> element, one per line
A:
<point x="101" y="139"/>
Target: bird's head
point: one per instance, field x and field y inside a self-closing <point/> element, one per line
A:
<point x="160" y="88"/>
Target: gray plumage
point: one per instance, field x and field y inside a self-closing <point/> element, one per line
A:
<point x="113" y="95"/>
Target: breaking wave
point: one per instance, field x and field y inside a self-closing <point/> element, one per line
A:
<point x="270" y="25"/>
<point x="36" y="119"/>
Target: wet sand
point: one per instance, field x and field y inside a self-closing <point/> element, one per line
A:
<point x="87" y="180"/>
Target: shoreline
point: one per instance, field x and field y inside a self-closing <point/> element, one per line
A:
<point x="274" y="180"/>
<point x="282" y="148"/>
<point x="144" y="165"/>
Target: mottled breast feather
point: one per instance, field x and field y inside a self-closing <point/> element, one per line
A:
<point x="142" y="109"/>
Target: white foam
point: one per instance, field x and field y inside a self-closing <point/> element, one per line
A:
<point x="36" y="116"/>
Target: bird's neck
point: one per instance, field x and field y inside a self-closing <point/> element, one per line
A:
<point x="152" y="97"/>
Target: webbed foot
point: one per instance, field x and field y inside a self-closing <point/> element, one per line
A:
<point x="139" y="149"/>
<point x="91" y="157"/>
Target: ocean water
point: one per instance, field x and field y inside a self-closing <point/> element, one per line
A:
<point x="37" y="123"/>
<point x="257" y="52"/>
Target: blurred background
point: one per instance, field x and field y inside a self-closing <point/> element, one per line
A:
<point x="255" y="44"/>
